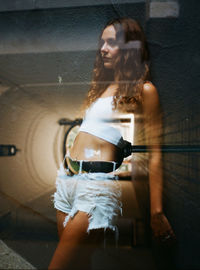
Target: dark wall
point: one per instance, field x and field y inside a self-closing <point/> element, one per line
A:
<point x="174" y="45"/>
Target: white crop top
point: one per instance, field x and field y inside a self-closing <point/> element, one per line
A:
<point x="98" y="120"/>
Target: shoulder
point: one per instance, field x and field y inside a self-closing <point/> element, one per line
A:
<point x="149" y="89"/>
<point x="150" y="96"/>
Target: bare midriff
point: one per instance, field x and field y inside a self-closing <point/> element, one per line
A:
<point x="89" y="147"/>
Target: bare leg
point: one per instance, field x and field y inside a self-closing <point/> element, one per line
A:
<point x="70" y="238"/>
<point x="60" y="219"/>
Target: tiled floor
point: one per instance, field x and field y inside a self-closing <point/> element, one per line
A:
<point x="39" y="253"/>
<point x="9" y="259"/>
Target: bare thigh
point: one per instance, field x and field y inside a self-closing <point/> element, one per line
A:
<point x="71" y="236"/>
<point x="79" y="218"/>
<point x="60" y="219"/>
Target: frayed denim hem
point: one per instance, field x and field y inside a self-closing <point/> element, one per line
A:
<point x="104" y="226"/>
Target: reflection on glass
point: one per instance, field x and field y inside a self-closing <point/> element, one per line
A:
<point x="88" y="195"/>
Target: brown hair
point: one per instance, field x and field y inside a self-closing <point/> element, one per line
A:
<point x="131" y="67"/>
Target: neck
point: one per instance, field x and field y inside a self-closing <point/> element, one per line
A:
<point x="109" y="74"/>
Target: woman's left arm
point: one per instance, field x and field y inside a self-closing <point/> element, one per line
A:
<point x="153" y="131"/>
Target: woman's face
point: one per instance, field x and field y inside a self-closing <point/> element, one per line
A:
<point x="109" y="47"/>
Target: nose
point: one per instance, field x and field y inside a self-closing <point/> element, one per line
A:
<point x="104" y="48"/>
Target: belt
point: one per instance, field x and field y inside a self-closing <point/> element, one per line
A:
<point x="86" y="166"/>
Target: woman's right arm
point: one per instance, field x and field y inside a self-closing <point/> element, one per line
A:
<point x="153" y="132"/>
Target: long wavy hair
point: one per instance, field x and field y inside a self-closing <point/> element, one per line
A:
<point x="131" y="67"/>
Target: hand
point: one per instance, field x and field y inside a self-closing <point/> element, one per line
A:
<point x="161" y="229"/>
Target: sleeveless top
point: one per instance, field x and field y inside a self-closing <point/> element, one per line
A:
<point x="98" y="120"/>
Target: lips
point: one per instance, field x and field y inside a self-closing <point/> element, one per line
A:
<point x="106" y="59"/>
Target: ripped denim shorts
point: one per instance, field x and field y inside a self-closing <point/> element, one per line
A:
<point x="98" y="194"/>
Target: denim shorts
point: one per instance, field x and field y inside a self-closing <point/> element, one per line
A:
<point x="98" y="194"/>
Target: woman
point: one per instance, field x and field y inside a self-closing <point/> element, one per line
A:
<point x="119" y="85"/>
